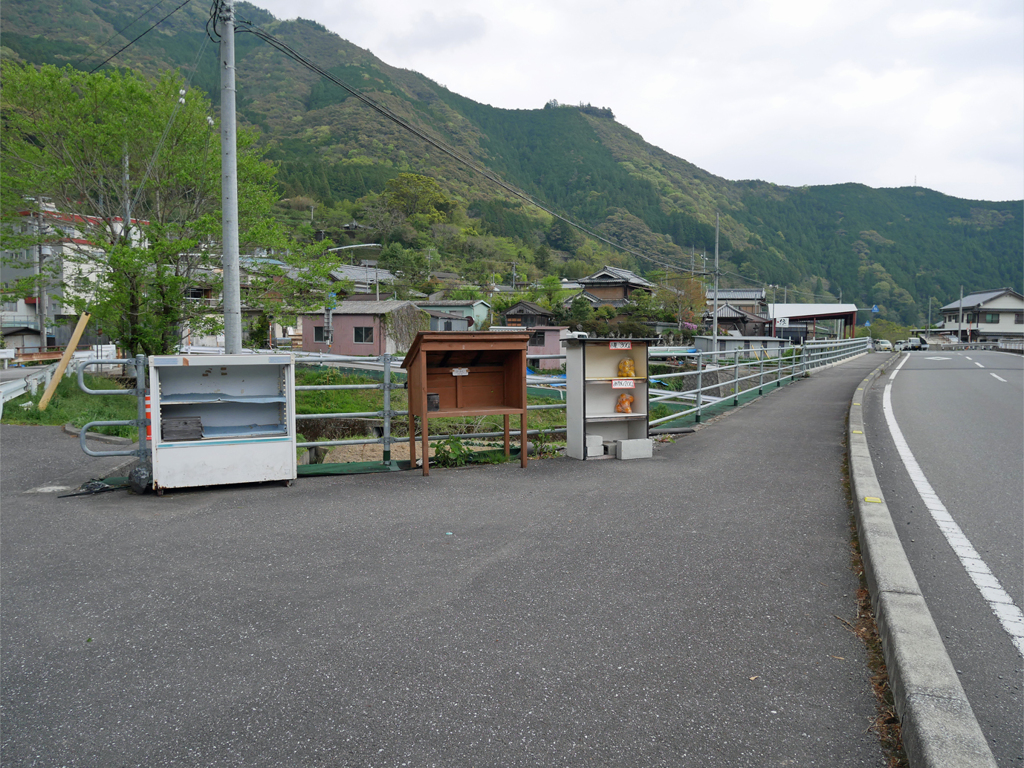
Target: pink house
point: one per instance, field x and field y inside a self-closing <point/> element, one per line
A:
<point x="544" y="340"/>
<point x="370" y="328"/>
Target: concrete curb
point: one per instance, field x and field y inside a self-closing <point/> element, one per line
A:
<point x="939" y="726"/>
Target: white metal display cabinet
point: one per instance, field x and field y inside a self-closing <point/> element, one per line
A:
<point x="246" y="407"/>
<point x="593" y="386"/>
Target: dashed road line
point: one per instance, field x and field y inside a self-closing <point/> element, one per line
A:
<point x="1001" y="604"/>
<point x="998" y="377"/>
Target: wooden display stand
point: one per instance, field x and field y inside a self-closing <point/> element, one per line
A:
<point x="466" y="374"/>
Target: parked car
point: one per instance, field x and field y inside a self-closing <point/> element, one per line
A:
<point x="901" y="345"/>
<point x="883" y="345"/>
<point x="916" y="342"/>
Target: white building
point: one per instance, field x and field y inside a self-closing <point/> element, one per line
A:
<point x="986" y="316"/>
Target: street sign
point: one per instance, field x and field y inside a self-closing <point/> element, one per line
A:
<point x="867" y="323"/>
<point x="874" y="309"/>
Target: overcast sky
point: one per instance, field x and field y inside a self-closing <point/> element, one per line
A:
<point x="789" y="91"/>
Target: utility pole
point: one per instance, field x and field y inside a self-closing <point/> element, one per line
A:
<point x="960" y="321"/>
<point x="714" y="311"/>
<point x="929" y="315"/>
<point x="41" y="297"/>
<point x="229" y="182"/>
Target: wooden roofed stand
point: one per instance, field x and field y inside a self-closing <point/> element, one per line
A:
<point x="472" y="374"/>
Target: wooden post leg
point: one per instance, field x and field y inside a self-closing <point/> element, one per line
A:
<point x="508" y="439"/>
<point x="412" y="441"/>
<point x="522" y="437"/>
<point x="426" y="448"/>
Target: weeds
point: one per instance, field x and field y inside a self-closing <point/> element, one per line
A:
<point x="70" y="405"/>
<point x="451" y="453"/>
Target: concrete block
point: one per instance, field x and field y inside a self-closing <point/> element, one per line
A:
<point x="595" y="445"/>
<point x="642" y="448"/>
<point x="611" y="448"/>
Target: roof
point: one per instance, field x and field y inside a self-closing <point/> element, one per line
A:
<point x="362" y="274"/>
<point x="616" y="275"/>
<point x="729" y="311"/>
<point x="528" y="307"/>
<point x="452" y="303"/>
<point x="367" y="307"/>
<point x="810" y="310"/>
<point x="532" y="329"/>
<point x="736" y="293"/>
<point x="567" y="302"/>
<point x="443" y="315"/>
<point x="974" y="300"/>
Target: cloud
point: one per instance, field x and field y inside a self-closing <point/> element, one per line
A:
<point x="791" y="91"/>
<point x="428" y="32"/>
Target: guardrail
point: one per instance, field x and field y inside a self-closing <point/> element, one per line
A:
<point x="744" y="370"/>
<point x="9" y="390"/>
<point x="386" y="364"/>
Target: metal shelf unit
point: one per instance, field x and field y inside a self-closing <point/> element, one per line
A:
<point x="593" y="388"/>
<point x="238" y="413"/>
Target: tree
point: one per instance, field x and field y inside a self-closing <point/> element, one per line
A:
<point x="129" y="170"/>
<point x="408" y="264"/>
<point x="415" y="195"/>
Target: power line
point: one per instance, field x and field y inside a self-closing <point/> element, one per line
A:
<point x="444" y="147"/>
<point x="118" y="32"/>
<point x="139" y="37"/>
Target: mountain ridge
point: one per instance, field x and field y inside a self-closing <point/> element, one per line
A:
<point x="892" y="247"/>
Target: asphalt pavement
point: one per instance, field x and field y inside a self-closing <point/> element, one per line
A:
<point x="685" y="610"/>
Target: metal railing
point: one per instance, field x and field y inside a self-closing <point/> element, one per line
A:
<point x="135" y="368"/>
<point x="386" y="364"/>
<point x="723" y="375"/>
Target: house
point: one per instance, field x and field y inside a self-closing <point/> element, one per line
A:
<point x="732" y="318"/>
<point x="544" y="340"/>
<point x="588" y="297"/>
<point x="477" y="310"/>
<point x="987" y="316"/>
<point x="445" y="321"/>
<point x="363" y="328"/>
<point x="612" y="286"/>
<point x="64" y="257"/>
<point x="365" y="279"/>
<point x="526" y="314"/>
<point x="750" y="300"/>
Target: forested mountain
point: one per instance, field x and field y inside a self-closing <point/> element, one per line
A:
<point x="891" y="247"/>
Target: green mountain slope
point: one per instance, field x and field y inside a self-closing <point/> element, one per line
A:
<point x="893" y="247"/>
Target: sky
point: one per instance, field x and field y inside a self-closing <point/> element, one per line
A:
<point x="795" y="92"/>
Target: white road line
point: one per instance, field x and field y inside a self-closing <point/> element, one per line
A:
<point x="988" y="585"/>
<point x="979" y="365"/>
<point x="998" y="377"/>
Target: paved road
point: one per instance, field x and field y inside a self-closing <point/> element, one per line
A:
<point x="965" y="428"/>
<point x="684" y="610"/>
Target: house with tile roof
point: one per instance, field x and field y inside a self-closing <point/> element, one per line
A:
<point x="986" y="315"/>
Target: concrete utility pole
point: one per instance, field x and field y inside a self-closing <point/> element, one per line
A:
<point x="714" y="311"/>
<point x="41" y="297"/>
<point x="229" y="181"/>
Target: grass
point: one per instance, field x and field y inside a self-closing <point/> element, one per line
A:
<point x="365" y="400"/>
<point x="70" y="404"/>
